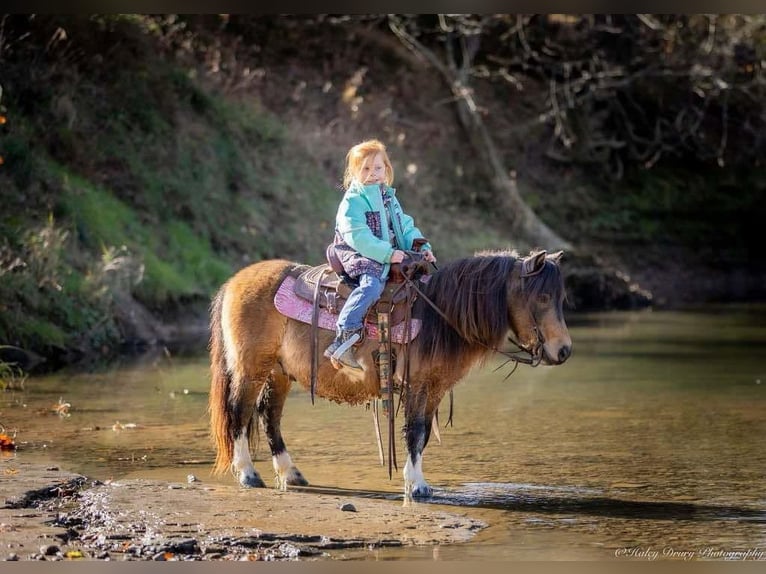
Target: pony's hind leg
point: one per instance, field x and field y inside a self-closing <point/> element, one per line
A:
<point x="243" y="417"/>
<point x="242" y="463"/>
<point x="270" y="405"/>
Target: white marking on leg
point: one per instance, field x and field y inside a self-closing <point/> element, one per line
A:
<point x="241" y="461"/>
<point x="414" y="482"/>
<point x="283" y="464"/>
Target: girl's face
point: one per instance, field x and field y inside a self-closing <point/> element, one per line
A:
<point x="373" y="170"/>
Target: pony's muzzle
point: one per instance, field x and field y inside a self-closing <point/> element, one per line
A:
<point x="553" y="356"/>
<point x="564" y="352"/>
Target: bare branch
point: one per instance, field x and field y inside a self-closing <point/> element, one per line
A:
<point x="650" y="21"/>
<point x="525" y="222"/>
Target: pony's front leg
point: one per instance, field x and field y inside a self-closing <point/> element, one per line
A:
<point x="417" y="431"/>
<point x="270" y="406"/>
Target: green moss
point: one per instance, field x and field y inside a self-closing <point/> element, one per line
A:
<point x="186" y="268"/>
<point x="194" y="255"/>
<point x="99" y="218"/>
<point x="162" y="281"/>
<point x="179" y="262"/>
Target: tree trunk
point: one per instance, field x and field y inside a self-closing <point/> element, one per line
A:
<point x="525" y="224"/>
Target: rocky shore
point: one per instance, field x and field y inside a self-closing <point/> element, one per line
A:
<point x="50" y="514"/>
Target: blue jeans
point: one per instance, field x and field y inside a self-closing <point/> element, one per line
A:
<point x="359" y="302"/>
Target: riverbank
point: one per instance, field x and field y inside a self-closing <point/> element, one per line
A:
<point x="51" y="514"/>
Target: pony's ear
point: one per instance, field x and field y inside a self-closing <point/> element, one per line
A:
<point x="533" y="264"/>
<point x="556" y="257"/>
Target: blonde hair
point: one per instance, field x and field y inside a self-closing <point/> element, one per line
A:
<point x="358" y="156"/>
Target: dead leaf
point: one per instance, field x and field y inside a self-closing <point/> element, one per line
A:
<point x="6" y="442"/>
<point x="61" y="408"/>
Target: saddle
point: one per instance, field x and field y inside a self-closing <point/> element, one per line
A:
<point x="327" y="286"/>
<point x="333" y="289"/>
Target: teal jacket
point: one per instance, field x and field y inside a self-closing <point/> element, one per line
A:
<point x="361" y="229"/>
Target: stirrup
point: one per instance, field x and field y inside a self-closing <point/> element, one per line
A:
<point x="331" y="348"/>
<point x="344" y="354"/>
<point x="347" y="359"/>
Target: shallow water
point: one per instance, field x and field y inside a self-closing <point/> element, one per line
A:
<point x="650" y="437"/>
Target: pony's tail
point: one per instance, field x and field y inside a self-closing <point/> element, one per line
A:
<point x="220" y="391"/>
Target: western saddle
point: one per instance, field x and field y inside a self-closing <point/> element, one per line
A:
<point x="328" y="286"/>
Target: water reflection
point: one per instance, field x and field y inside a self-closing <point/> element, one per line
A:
<point x="651" y="433"/>
<point x="543" y="499"/>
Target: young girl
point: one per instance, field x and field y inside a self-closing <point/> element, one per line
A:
<point x="371" y="230"/>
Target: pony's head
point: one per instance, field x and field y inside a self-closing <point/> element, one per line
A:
<point x="535" y="308"/>
<point x="481" y="299"/>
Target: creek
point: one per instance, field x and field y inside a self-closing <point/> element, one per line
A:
<point x="646" y="444"/>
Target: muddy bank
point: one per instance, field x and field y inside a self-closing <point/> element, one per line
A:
<point x="51" y="514"/>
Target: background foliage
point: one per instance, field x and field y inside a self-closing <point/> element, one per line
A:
<point x="145" y="158"/>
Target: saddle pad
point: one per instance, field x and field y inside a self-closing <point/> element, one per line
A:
<point x="290" y="305"/>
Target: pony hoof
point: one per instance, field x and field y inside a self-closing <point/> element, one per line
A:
<point x="251" y="481"/>
<point x="422" y="491"/>
<point x="296" y="478"/>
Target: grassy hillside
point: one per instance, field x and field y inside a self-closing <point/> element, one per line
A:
<point x="122" y="175"/>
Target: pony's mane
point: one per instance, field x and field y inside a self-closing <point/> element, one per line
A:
<point x="473" y="293"/>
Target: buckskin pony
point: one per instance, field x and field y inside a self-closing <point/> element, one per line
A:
<point x="467" y="310"/>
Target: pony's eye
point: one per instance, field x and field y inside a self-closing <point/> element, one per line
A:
<point x="544" y="299"/>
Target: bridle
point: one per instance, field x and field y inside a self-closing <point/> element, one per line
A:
<point x="535" y="354"/>
<point x="536" y="351"/>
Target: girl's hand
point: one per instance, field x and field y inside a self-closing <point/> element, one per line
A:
<point x="429" y="256"/>
<point x="397" y="257"/>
